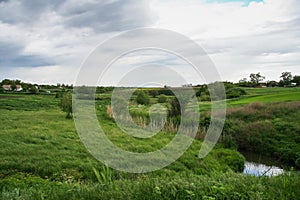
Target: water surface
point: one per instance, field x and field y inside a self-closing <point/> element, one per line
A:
<point x="258" y="165"/>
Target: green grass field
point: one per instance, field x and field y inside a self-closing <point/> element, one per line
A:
<point x="267" y="95"/>
<point x="42" y="157"/>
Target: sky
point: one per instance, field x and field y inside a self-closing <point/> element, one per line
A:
<point x="46" y="42"/>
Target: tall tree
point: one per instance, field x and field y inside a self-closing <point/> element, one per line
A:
<point x="286" y="78"/>
<point x="256" y="78"/>
<point x="296" y="79"/>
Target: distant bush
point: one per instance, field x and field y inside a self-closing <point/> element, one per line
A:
<point x="162" y="98"/>
<point x="142" y="98"/>
<point x="235" y="92"/>
<point x="153" y="93"/>
<point x="33" y="89"/>
<point x="165" y="91"/>
<point x="204" y="97"/>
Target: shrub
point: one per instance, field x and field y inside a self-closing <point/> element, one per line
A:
<point x="34" y="89"/>
<point x="235" y="92"/>
<point x="162" y="98"/>
<point x="153" y="93"/>
<point x="142" y="98"/>
<point x="66" y="104"/>
<point x="175" y="108"/>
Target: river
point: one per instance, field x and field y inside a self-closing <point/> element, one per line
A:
<point x="258" y="165"/>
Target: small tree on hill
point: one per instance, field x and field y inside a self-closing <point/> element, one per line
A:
<point x="66" y="104"/>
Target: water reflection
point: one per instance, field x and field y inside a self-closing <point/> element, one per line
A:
<point x="261" y="169"/>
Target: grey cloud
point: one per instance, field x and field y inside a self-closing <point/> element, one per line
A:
<point x="19" y="12"/>
<point x="106" y="16"/>
<point x="103" y="16"/>
<point x="11" y="56"/>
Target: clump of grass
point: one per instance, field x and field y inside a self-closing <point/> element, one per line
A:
<point x="105" y="176"/>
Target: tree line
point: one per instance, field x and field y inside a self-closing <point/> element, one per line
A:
<point x="256" y="79"/>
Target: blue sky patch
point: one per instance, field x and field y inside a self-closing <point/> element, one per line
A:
<point x="246" y="2"/>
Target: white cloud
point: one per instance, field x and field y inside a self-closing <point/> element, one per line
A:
<point x="264" y="36"/>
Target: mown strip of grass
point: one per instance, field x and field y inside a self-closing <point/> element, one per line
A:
<point x="267" y="98"/>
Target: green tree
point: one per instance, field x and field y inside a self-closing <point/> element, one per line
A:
<point x="66" y="104"/>
<point x="296" y="79"/>
<point x="244" y="83"/>
<point x="13" y="86"/>
<point x="286" y="78"/>
<point x="178" y="104"/>
<point x="153" y="93"/>
<point x="175" y="109"/>
<point x="142" y="98"/>
<point x="256" y="78"/>
<point x="34" y="89"/>
<point x="6" y="82"/>
<point x="203" y="90"/>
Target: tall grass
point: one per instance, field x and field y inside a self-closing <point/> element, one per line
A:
<point x="271" y="129"/>
<point x="179" y="186"/>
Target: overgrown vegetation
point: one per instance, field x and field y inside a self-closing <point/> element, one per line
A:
<point x="42" y="157"/>
<point x="271" y="129"/>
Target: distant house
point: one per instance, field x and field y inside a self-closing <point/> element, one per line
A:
<point x="6" y="87"/>
<point x="10" y="88"/>
<point x="262" y="85"/>
<point x="19" y="88"/>
<point x="187" y="85"/>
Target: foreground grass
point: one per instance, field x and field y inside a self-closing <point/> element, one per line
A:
<point x="179" y="186"/>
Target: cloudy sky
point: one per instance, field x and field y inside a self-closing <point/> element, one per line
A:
<point x="47" y="41"/>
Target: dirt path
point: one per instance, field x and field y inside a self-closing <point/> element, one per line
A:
<point x="9" y="97"/>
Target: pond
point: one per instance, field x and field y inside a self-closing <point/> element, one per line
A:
<point x="258" y="165"/>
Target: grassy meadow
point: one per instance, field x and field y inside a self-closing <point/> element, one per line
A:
<point x="42" y="156"/>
